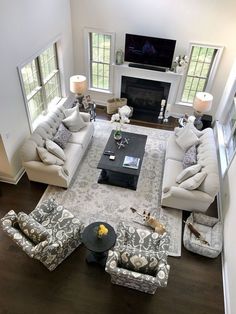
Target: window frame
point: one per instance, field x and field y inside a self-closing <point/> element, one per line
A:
<point x="211" y="74"/>
<point x="42" y="83"/>
<point x="228" y="138"/>
<point x="88" y="60"/>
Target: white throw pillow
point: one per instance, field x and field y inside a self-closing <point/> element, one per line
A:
<point x="69" y="111"/>
<point x="48" y="158"/>
<point x="186" y="139"/>
<point x="189" y="126"/>
<point x="75" y="121"/>
<point x="188" y="172"/>
<point x="193" y="182"/>
<point x="55" y="149"/>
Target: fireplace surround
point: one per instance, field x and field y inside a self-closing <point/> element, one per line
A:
<point x="162" y="85"/>
<point x="145" y="96"/>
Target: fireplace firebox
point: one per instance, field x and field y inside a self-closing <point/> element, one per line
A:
<point x="144" y="96"/>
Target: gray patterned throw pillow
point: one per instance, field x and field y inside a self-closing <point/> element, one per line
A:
<point x="62" y="136"/>
<point x="139" y="261"/>
<point x="32" y="229"/>
<point x="190" y="157"/>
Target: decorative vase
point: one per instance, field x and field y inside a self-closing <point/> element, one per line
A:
<point x="180" y="69"/>
<point x="118" y="133"/>
<point x="119" y="57"/>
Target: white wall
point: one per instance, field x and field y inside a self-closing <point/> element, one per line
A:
<point x="203" y="21"/>
<point x="228" y="198"/>
<point x="229" y="213"/>
<point x="26" y="27"/>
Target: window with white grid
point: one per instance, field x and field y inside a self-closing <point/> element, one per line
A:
<point x="229" y="131"/>
<point x="41" y="83"/>
<point x="100" y="58"/>
<point x="201" y="68"/>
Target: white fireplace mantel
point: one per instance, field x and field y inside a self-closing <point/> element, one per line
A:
<point x="169" y="77"/>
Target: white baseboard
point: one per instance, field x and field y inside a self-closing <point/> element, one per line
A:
<point x="14" y="180"/>
<point x="224" y="266"/>
<point x="100" y="102"/>
<point x="225" y="285"/>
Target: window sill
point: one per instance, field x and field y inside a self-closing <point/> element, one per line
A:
<point x="100" y="91"/>
<point x="221" y="149"/>
<point x="185" y="104"/>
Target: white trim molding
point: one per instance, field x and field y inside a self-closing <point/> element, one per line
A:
<point x="14" y="180"/>
<point x="87" y="31"/>
<point x="212" y="73"/>
<point x="169" y="77"/>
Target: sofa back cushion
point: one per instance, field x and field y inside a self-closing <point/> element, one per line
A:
<point x="46" y="130"/>
<point x="207" y="158"/>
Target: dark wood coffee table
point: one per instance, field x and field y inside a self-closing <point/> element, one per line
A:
<point x="98" y="247"/>
<point x="113" y="172"/>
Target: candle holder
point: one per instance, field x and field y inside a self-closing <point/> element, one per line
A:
<point x="161" y="114"/>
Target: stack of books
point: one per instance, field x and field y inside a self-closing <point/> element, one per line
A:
<point x="131" y="162"/>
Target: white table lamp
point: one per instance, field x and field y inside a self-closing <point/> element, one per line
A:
<point x="202" y="103"/>
<point x="78" y="86"/>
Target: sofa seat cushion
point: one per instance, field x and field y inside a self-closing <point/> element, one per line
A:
<point x="173" y="150"/>
<point x="83" y="136"/>
<point x="172" y="169"/>
<point x="140" y="261"/>
<point x="73" y="154"/>
<point x="32" y="229"/>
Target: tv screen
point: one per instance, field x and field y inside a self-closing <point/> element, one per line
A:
<point x="149" y="50"/>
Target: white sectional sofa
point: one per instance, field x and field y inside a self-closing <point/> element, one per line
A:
<point x="198" y="199"/>
<point x="59" y="175"/>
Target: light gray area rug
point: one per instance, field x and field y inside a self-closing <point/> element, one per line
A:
<point x="91" y="201"/>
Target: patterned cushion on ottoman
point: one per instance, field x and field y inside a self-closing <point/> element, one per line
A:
<point x="139" y="261"/>
<point x="32" y="229"/>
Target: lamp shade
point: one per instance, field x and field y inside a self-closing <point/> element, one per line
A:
<point x="78" y="84"/>
<point x="202" y="102"/>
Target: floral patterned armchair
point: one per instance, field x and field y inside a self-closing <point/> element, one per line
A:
<point x="139" y="259"/>
<point x="49" y="233"/>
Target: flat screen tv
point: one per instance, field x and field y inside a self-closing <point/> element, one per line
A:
<point x="149" y="50"/>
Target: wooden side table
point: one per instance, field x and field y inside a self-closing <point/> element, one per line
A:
<point x="98" y="247"/>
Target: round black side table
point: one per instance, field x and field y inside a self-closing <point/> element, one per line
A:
<point x="98" y="247"/>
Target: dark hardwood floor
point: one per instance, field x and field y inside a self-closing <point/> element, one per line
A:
<point x="27" y="287"/>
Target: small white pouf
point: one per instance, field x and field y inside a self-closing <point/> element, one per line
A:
<point x="211" y="230"/>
